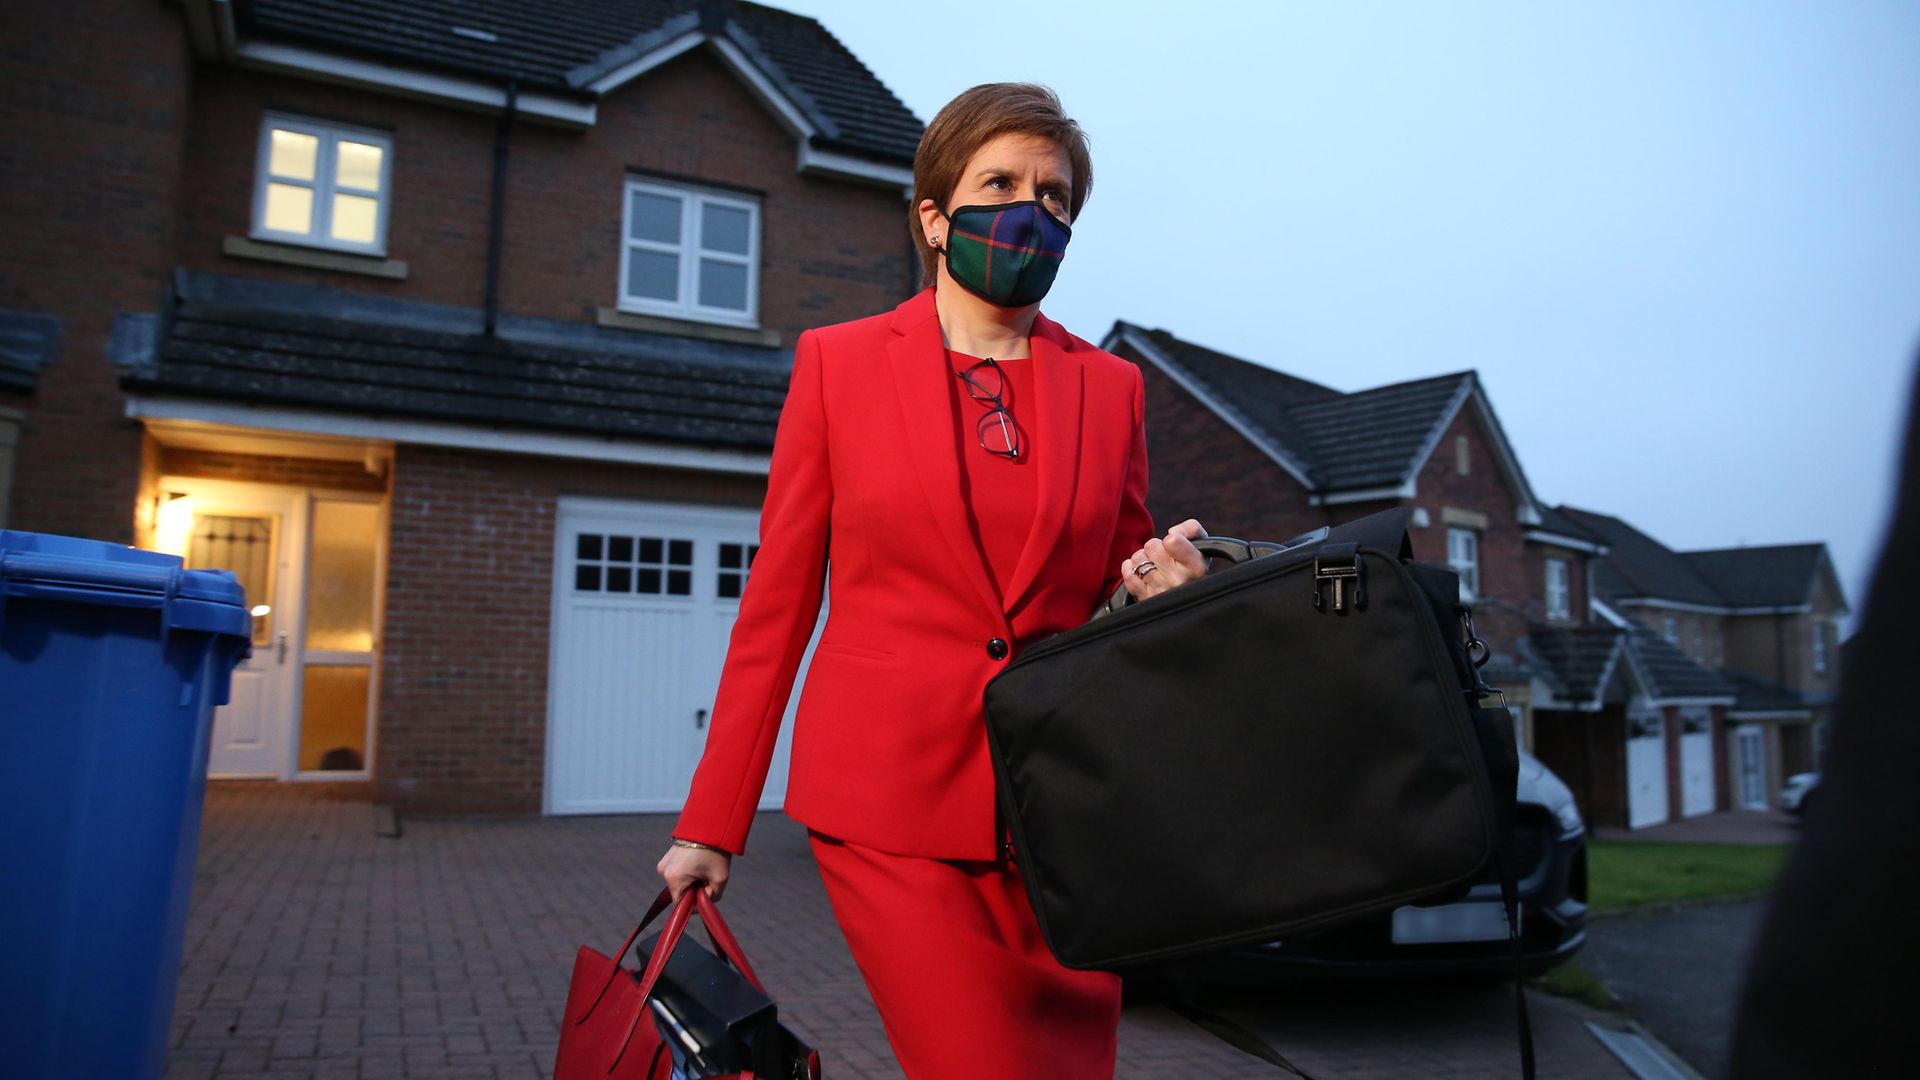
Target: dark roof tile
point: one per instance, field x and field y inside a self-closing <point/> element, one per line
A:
<point x="1576" y="659"/>
<point x="1781" y="576"/>
<point x="1637" y="566"/>
<point x="1370" y="438"/>
<point x="1671" y="672"/>
<point x="560" y="45"/>
<point x="269" y="342"/>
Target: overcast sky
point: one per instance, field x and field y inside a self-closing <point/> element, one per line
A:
<point x="1680" y="242"/>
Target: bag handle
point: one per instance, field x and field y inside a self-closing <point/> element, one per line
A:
<point x="693" y="898"/>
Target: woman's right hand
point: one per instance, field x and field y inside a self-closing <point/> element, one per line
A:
<point x="683" y="866"/>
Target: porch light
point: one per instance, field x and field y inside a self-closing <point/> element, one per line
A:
<point x="173" y="522"/>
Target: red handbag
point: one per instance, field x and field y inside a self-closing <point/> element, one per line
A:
<point x="608" y="1029"/>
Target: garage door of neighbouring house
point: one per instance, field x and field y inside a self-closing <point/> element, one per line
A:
<point x="1646" y="768"/>
<point x="645" y="595"/>
<point x="1696" y="762"/>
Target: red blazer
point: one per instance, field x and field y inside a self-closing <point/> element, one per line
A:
<point x="889" y="742"/>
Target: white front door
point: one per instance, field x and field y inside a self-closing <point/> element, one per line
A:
<point x="1646" y="768"/>
<point x="257" y="532"/>
<point x="645" y="596"/>
<point x="1753" y="768"/>
<point x="1696" y="762"/>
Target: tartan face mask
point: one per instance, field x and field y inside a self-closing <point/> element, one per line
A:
<point x="1006" y="253"/>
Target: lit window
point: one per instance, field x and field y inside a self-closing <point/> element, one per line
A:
<point x="1558" y="606"/>
<point x="322" y="184"/>
<point x="1463" y="554"/>
<point x="690" y="253"/>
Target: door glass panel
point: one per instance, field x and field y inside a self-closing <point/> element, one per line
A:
<point x="333" y="717"/>
<point x="340" y="588"/>
<point x="243" y="545"/>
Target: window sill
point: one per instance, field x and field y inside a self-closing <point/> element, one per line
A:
<point x="241" y="247"/>
<point x="738" y="335"/>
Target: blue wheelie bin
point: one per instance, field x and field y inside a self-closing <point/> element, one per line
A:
<point x="111" y="661"/>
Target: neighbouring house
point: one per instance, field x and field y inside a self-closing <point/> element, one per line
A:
<point x="1630" y="720"/>
<point x="1765" y="618"/>
<point x="457" y="331"/>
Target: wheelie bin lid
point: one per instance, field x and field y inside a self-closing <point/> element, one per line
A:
<point x="77" y="570"/>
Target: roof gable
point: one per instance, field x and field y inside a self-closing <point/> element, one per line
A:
<point x="583" y="49"/>
<point x="1343" y="447"/>
<point x="1637" y="566"/>
<point x="1777" y="576"/>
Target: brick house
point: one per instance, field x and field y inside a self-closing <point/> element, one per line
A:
<point x="459" y="336"/>
<point x="1626" y="718"/>
<point x="1766" y="619"/>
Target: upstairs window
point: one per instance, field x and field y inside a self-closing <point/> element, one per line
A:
<point x="1820" y="647"/>
<point x="1558" y="604"/>
<point x="1463" y="554"/>
<point x="1670" y="629"/>
<point x="690" y="253"/>
<point x="321" y="184"/>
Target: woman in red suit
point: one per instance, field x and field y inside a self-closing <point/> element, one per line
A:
<point x="975" y="477"/>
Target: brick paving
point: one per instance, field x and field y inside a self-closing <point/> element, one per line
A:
<point x="318" y="949"/>
<point x="1725" y="827"/>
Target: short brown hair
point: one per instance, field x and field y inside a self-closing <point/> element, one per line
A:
<point x="972" y="120"/>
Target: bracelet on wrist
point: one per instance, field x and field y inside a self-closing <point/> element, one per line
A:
<point x="677" y="842"/>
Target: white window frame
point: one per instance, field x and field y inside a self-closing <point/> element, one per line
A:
<point x="1463" y="555"/>
<point x="1670" y="629"/>
<point x="693" y="201"/>
<point x="323" y="185"/>
<point x="1819" y="647"/>
<point x="1559" y="589"/>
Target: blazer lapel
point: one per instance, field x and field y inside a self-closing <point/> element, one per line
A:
<point x="926" y="414"/>
<point x="1057" y="385"/>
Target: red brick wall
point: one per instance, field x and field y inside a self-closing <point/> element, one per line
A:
<point x="1513" y="572"/>
<point x="93" y="98"/>
<point x="831" y="249"/>
<point x="1201" y="467"/>
<point x="463" y="686"/>
<point x="1198" y="467"/>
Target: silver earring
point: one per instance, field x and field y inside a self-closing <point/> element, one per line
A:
<point x="935" y="242"/>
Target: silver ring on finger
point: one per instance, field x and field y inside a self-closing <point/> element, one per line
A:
<point x="1145" y="568"/>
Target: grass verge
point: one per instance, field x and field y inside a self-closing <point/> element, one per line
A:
<point x="1570" y="980"/>
<point x="1631" y="873"/>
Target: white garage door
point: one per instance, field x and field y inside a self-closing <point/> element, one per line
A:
<point x="645" y="595"/>
<point x="1646" y="768"/>
<point x="1696" y="762"/>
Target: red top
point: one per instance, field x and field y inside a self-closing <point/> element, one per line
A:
<point x="999" y="492"/>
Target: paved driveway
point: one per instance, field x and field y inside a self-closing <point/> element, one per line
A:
<point x="1680" y="972"/>
<point x="318" y="949"/>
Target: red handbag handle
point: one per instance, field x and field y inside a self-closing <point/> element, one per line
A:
<point x="694" y="896"/>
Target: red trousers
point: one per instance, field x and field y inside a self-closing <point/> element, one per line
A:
<point x="964" y="983"/>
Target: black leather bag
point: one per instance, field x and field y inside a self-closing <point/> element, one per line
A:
<point x="1290" y="742"/>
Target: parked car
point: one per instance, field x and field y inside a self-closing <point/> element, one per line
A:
<point x="1797" y="790"/>
<point x="1465" y="936"/>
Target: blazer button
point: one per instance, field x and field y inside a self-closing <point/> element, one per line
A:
<point x="997" y="649"/>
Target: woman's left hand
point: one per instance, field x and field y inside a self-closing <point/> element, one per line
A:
<point x="1175" y="561"/>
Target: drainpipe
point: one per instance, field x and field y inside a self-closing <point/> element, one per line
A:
<point x="498" y="212"/>
<point x="1780" y="646"/>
